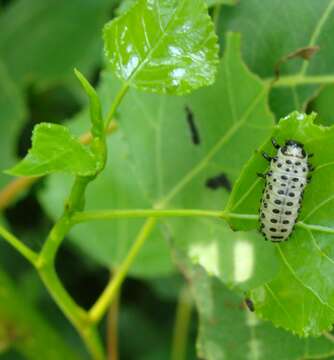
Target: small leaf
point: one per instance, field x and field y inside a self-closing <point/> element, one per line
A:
<point x="301" y="297"/>
<point x="95" y="105"/>
<point x="163" y="46"/>
<point x="54" y="149"/>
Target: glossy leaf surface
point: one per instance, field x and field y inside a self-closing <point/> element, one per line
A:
<point x="301" y="297"/>
<point x="54" y="149"/>
<point x="164" y="46"/>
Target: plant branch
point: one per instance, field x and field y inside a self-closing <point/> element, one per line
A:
<point x="112" y="328"/>
<point x="181" y="326"/>
<point x="17" y="244"/>
<point x="143" y="213"/>
<point x="119" y="97"/>
<point x="18" y="185"/>
<point x="78" y="317"/>
<point x="111" y="290"/>
<point x="300" y="79"/>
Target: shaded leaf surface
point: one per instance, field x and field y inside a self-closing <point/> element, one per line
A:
<point x="228" y="330"/>
<point x="54" y="149"/>
<point x="165" y="46"/>
<point x="151" y="172"/>
<point x="61" y="34"/>
<point x="24" y="329"/>
<point x="301" y="297"/>
<point x="12" y="114"/>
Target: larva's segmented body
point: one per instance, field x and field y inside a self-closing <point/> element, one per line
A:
<point x="283" y="193"/>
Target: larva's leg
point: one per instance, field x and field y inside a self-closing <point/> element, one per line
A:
<point x="276" y="145"/>
<point x="310" y="155"/>
<point x="266" y="156"/>
<point x="310" y="167"/>
<point x="263" y="176"/>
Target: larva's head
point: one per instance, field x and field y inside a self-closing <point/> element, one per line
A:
<point x="293" y="148"/>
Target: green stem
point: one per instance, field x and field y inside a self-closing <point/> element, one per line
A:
<point x="46" y="269"/>
<point x="143" y="213"/>
<point x="181" y="327"/>
<point x="108" y="295"/>
<point x="115" y="104"/>
<point x="64" y="224"/>
<point x="30" y="255"/>
<point x="78" y="317"/>
<point x="300" y="79"/>
<point x="112" y="328"/>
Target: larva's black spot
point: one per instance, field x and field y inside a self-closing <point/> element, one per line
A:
<point x="285" y="222"/>
<point x="192" y="126"/>
<point x="275" y="180"/>
<point x="295" y="179"/>
<point x="278" y="202"/>
<point x="283" y="184"/>
<point x="275" y="211"/>
<point x="295" y="171"/>
<point x="284" y="230"/>
<point x="289" y="203"/>
<point x="272" y="229"/>
<point x="267" y="196"/>
<point x="287" y="170"/>
<point x="277" y="237"/>
<point x="284" y="177"/>
<point x="279" y="165"/>
<point x="262" y="215"/>
<point x="270" y="187"/>
<point x="288" y="213"/>
<point x="304" y="169"/>
<point x="274" y="221"/>
<point x="289" y="162"/>
<point x="280" y="192"/>
<point x="265" y="205"/>
<point x="297" y="163"/>
<point x="219" y="181"/>
<point x="292" y="194"/>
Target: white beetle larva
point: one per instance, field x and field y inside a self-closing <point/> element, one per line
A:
<point x="283" y="192"/>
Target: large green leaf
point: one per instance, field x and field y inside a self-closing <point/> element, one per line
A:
<point x="158" y="165"/>
<point x="23" y="328"/>
<point x="12" y="114"/>
<point x="301" y="297"/>
<point x="43" y="40"/>
<point x="228" y="330"/>
<point x="267" y="28"/>
<point x="54" y="149"/>
<point x="163" y="46"/>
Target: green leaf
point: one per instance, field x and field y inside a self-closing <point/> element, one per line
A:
<point x="41" y="41"/>
<point x="301" y="297"/>
<point x="54" y="149"/>
<point x="266" y="25"/>
<point x="12" y="114"/>
<point x="95" y="106"/>
<point x="164" y="46"/>
<point x="158" y="165"/>
<point x="25" y="330"/>
<point x="228" y="330"/>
